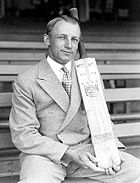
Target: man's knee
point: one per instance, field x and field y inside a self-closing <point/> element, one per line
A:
<point x="37" y="169"/>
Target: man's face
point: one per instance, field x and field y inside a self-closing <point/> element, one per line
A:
<point x="63" y="42"/>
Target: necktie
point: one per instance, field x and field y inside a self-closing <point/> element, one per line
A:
<point x="66" y="80"/>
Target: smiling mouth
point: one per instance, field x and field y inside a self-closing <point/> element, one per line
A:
<point x="67" y="52"/>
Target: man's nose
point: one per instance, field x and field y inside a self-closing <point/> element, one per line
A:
<point x="68" y="43"/>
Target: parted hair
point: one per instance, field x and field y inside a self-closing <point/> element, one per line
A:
<point x="52" y="22"/>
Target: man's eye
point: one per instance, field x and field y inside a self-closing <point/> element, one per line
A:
<point x="76" y="40"/>
<point x="61" y="37"/>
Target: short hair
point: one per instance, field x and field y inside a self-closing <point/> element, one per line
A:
<point x="53" y="22"/>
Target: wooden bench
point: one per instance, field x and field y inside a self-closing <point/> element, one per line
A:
<point x="90" y="46"/>
<point x="13" y="52"/>
<point x="127" y="126"/>
<point x="120" y="32"/>
<point x="98" y="46"/>
<point x="101" y="58"/>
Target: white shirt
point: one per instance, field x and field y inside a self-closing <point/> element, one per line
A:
<point x="57" y="68"/>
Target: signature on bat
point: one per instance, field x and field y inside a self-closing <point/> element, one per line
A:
<point x="91" y="90"/>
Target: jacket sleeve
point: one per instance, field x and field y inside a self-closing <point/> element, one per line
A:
<point x="24" y="126"/>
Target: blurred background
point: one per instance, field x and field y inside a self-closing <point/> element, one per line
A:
<point x="128" y="10"/>
<point x="96" y="16"/>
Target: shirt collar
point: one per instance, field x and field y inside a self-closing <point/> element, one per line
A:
<point x="56" y="66"/>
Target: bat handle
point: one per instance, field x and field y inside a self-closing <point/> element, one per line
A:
<point x="81" y="47"/>
<point x="74" y="13"/>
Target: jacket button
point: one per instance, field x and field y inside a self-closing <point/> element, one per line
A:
<point x="81" y="129"/>
<point x="50" y="112"/>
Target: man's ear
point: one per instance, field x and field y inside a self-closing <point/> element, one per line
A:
<point x="46" y="40"/>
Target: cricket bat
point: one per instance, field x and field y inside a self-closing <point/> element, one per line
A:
<point x="102" y="134"/>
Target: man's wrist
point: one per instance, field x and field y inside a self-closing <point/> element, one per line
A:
<point x="65" y="160"/>
<point x="67" y="155"/>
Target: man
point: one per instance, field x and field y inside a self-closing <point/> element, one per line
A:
<point x="50" y="127"/>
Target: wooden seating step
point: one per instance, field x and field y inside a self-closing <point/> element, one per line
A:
<point x="127" y="125"/>
<point x="104" y="57"/>
<point x="98" y="46"/>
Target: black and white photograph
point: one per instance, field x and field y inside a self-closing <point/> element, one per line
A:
<point x="69" y="91"/>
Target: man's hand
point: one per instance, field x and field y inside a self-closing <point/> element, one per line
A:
<point x="83" y="159"/>
<point x="86" y="160"/>
<point x="115" y="168"/>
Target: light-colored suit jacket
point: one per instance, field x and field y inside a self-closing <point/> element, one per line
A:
<point x="43" y="120"/>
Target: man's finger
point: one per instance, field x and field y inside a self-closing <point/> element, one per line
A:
<point x="93" y="166"/>
<point x="116" y="168"/>
<point x="92" y="158"/>
<point x="111" y="171"/>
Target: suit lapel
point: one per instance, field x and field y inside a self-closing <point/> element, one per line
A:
<point x="49" y="82"/>
<point x="75" y="100"/>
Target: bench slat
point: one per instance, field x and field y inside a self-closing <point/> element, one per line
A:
<point x="21" y="56"/>
<point x="22" y="45"/>
<point x="92" y="46"/>
<point x="6" y="78"/>
<point x="110" y="56"/>
<point x="125" y="130"/>
<point x="119" y="69"/>
<point x="6" y="141"/>
<point x="114" y="117"/>
<point x="12" y="69"/>
<point x="113" y="46"/>
<point x="125" y="117"/>
<point x="111" y="95"/>
<point x="122" y="94"/>
<point x="6" y="99"/>
<point x="8" y="72"/>
<point x="104" y="69"/>
<point x="115" y="56"/>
